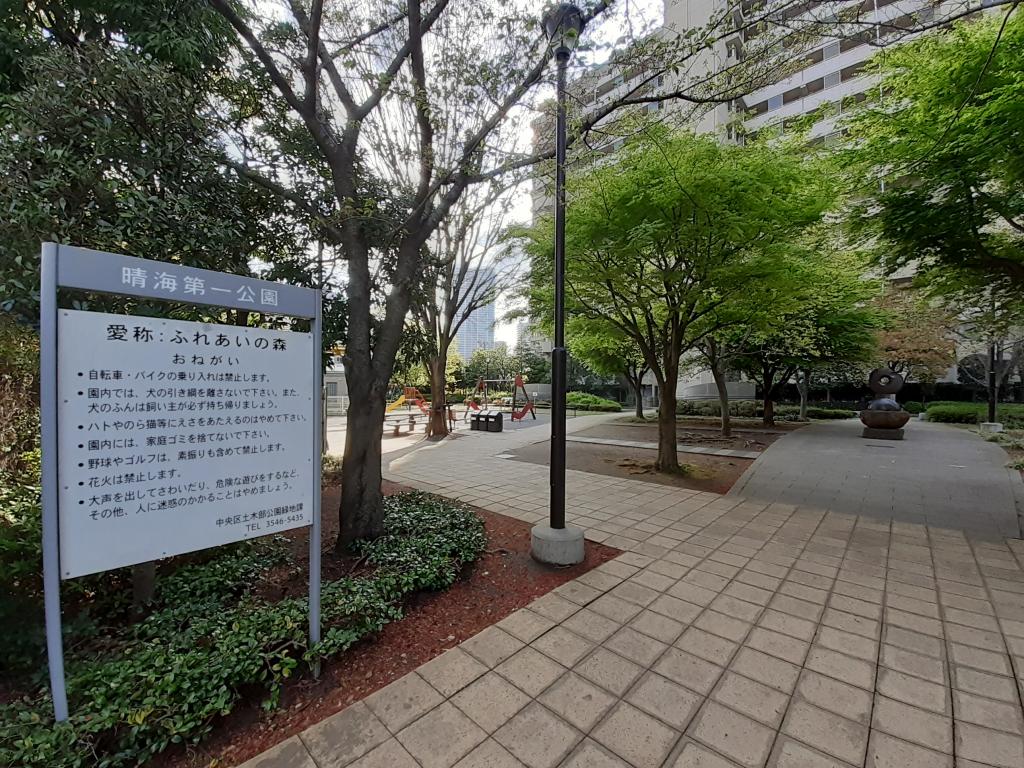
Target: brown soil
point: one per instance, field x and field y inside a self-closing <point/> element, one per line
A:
<point x="702" y="473"/>
<point x="505" y="579"/>
<point x="742" y="439"/>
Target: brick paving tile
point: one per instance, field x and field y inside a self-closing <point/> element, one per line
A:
<point x="590" y="754"/>
<point x="344" y="737"/>
<point x="635" y="736"/>
<point x="695" y="756"/>
<point x="734" y="735"/>
<point x="403" y="701"/>
<point x="792" y="754"/>
<point x="751" y="698"/>
<point x="666" y="700"/>
<point x="390" y="754"/>
<point x="609" y="670"/>
<point x="490" y="754"/>
<point x="912" y="724"/>
<point x="490" y="701"/>
<point x="537" y="737"/>
<point x="828" y="732"/>
<point x="835" y="696"/>
<point x="442" y="737"/>
<point x="577" y="700"/>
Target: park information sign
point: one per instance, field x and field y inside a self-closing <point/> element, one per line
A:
<point x="164" y="436"/>
<point x="176" y="436"/>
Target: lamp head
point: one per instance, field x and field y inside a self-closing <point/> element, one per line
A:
<point x="563" y="23"/>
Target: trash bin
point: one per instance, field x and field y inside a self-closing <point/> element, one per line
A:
<point x="477" y="421"/>
<point x="494" y="421"/>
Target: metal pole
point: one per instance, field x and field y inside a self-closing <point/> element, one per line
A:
<point x="558" y="353"/>
<point x="314" y="530"/>
<point x="48" y="413"/>
<point x="992" y="394"/>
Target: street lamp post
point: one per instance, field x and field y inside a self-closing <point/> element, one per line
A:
<point x="556" y="543"/>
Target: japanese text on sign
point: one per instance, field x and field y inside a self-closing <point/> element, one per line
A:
<point x="176" y="436"/>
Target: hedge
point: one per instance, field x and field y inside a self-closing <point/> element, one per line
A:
<point x="584" y="401"/>
<point x="752" y="409"/>
<point x="1010" y="414"/>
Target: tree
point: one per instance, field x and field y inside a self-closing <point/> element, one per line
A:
<point x="492" y="364"/>
<point x="466" y="270"/>
<point x="916" y="341"/>
<point x="945" y="174"/>
<point x="663" y="236"/>
<point x="830" y="323"/>
<point x="419" y="96"/>
<point x="607" y="351"/>
<point x="535" y="365"/>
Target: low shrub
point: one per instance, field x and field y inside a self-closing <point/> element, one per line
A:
<point x="211" y="637"/>
<point x="913" y="407"/>
<point x="753" y="409"/>
<point x="584" y="401"/>
<point x="814" y="412"/>
<point x="1010" y="414"/>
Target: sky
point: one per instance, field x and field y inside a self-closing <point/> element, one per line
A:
<point x="629" y="18"/>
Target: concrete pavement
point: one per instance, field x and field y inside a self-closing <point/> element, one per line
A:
<point x="732" y="632"/>
<point x="938" y="475"/>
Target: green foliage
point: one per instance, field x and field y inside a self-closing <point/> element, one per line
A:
<point x="212" y="637"/>
<point x="497" y="363"/>
<point x="675" y="237"/>
<point x="944" y="139"/>
<point x="583" y="401"/>
<point x="1011" y="415"/>
<point x="106" y="149"/>
<point x="19" y="406"/>
<point x="751" y="408"/>
<point x="913" y="407"/>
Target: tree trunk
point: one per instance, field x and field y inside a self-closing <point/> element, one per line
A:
<point x="768" y="383"/>
<point x="361" y="512"/>
<point x="723" y="398"/>
<point x="803" y="383"/>
<point x="637" y="383"/>
<point x="668" y="456"/>
<point x="437" y="425"/>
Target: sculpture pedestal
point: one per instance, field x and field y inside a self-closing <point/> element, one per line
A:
<point x="875" y="433"/>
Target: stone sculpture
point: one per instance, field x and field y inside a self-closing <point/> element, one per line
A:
<point x="884" y="418"/>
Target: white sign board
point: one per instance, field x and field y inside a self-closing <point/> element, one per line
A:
<point x="176" y="436"/>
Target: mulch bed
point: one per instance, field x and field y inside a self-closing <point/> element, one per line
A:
<point x="715" y="474"/>
<point x="503" y="580"/>
<point x="743" y="439"/>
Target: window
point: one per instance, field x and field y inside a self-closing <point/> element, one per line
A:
<point x="832" y="79"/>
<point x="774" y="102"/>
<point x="332" y="388"/>
<point x="830" y="51"/>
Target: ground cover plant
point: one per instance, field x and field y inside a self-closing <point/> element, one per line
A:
<point x="212" y="638"/>
<point x="583" y="401"/>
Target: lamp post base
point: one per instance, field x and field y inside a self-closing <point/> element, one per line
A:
<point x="557" y="546"/>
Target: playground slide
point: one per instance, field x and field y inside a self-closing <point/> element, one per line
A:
<point x="392" y="406"/>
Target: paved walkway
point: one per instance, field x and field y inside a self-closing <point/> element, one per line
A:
<point x="731" y="633"/>
<point x="938" y="475"/>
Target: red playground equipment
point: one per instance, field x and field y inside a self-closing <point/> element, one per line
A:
<point x="520" y="407"/>
<point x="412" y="395"/>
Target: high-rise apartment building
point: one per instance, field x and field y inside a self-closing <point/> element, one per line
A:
<point x="477" y="332"/>
<point x="824" y="76"/>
